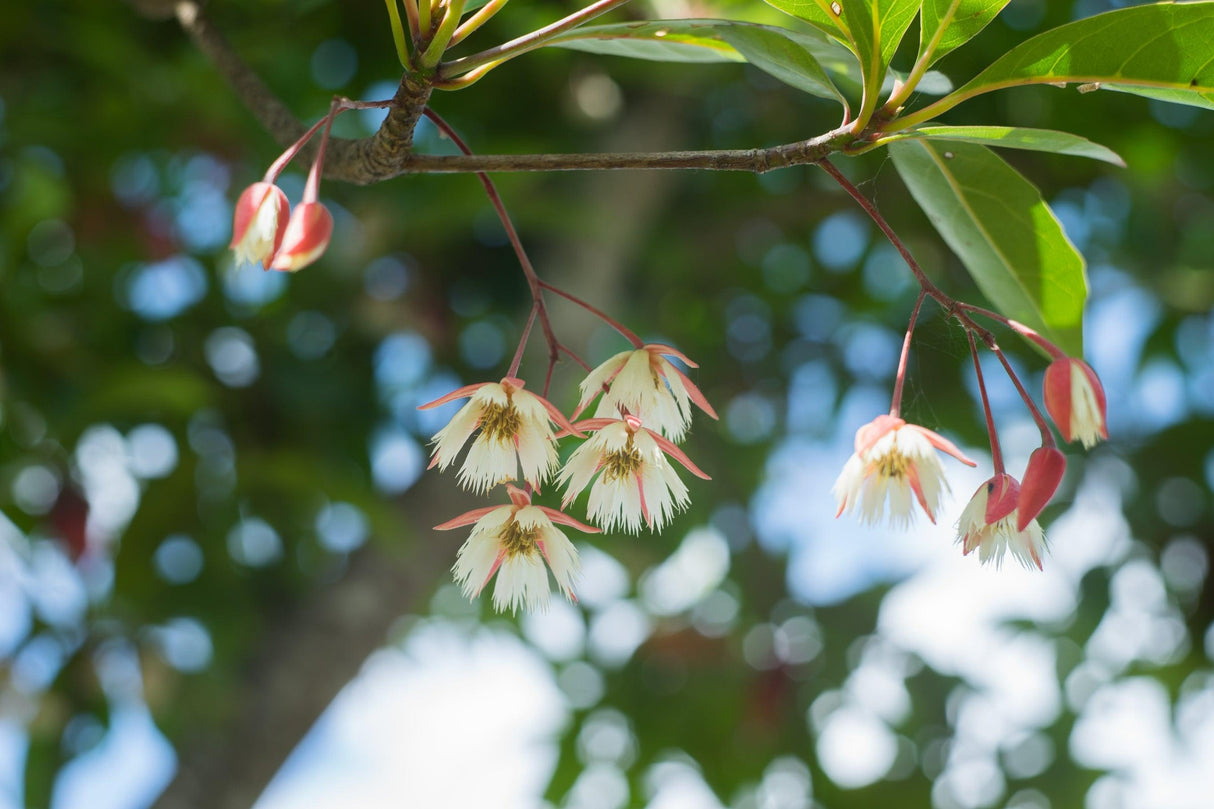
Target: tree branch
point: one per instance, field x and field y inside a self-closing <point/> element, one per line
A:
<point x="362" y="161"/>
<point x="757" y="161"/>
<point x="389" y="152"/>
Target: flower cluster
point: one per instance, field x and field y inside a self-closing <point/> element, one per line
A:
<point x="895" y="464"/>
<point x="625" y="461"/>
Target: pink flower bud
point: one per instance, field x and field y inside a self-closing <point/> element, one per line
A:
<point x="258" y="223"/>
<point x="1003" y="496"/>
<point x="306" y="237"/>
<point x="1041" y="479"/>
<point x="1075" y="400"/>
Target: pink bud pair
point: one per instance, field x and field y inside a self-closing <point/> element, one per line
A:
<point x="1076" y="402"/>
<point x="263" y="234"/>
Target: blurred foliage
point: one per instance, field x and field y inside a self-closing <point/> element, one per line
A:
<point x="120" y="152"/>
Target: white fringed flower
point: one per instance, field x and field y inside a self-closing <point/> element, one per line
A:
<point x="989" y="525"/>
<point x="515" y="431"/>
<point x="893" y="461"/>
<point x="635" y="482"/>
<point x="515" y="542"/>
<point x="644" y="383"/>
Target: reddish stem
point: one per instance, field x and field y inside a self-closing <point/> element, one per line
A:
<point x="522" y="344"/>
<point x="1024" y="331"/>
<point x="533" y="280"/>
<point x="951" y="306"/>
<point x="286" y="157"/>
<point x="627" y="333"/>
<point x="337" y="107"/>
<point x="996" y="452"/>
<point x="573" y="356"/>
<point x="312" y="188"/>
<point x="1047" y="438"/>
<point x="895" y="405"/>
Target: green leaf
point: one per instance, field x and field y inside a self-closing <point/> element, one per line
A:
<point x="876" y="27"/>
<point x="819" y="13"/>
<point x="895" y="18"/>
<point x="952" y="23"/>
<point x="1014" y="137"/>
<point x="1193" y="98"/>
<point x="796" y="58"/>
<point x="1163" y="47"/>
<point x="863" y="23"/>
<point x="1004" y="233"/>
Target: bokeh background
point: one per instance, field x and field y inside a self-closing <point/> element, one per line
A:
<point x="218" y="586"/>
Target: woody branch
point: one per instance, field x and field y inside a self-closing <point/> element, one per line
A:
<point x="389" y="152"/>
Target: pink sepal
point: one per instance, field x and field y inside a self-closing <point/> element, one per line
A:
<point x="567" y="427"/>
<point x="1041" y="478"/>
<point x="562" y="518"/>
<point x="590" y="424"/>
<point x="1002" y="496"/>
<point x="306" y="237"/>
<point x="247" y="206"/>
<point x="467" y="518"/>
<point x="519" y="497"/>
<point x="871" y="433"/>
<point x="496" y="564"/>
<point x="943" y="444"/>
<point x="644" y="506"/>
<point x="912" y="475"/>
<point x="458" y="393"/>
<point x="696" y="394"/>
<point x="1056" y="391"/>
<point x="659" y="348"/>
<point x="667" y="446"/>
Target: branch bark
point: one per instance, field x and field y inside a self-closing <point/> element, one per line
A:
<point x="361" y="161"/>
<point x="389" y="152"/>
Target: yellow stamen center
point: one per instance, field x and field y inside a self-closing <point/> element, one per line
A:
<point x="501" y="422"/>
<point x="892" y="465"/>
<point x="518" y="540"/>
<point x="622" y="464"/>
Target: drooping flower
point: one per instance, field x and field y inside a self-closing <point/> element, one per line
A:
<point x="258" y="223"/>
<point x="989" y="524"/>
<point x="1041" y="478"/>
<point x="515" y="542"/>
<point x="515" y="431"/>
<point x="306" y="237"/>
<point x="643" y="383"/>
<point x="1075" y="400"/>
<point x="894" y="460"/>
<point x="635" y="484"/>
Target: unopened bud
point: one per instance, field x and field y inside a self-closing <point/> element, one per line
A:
<point x="306" y="238"/>
<point x="1041" y="479"/>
